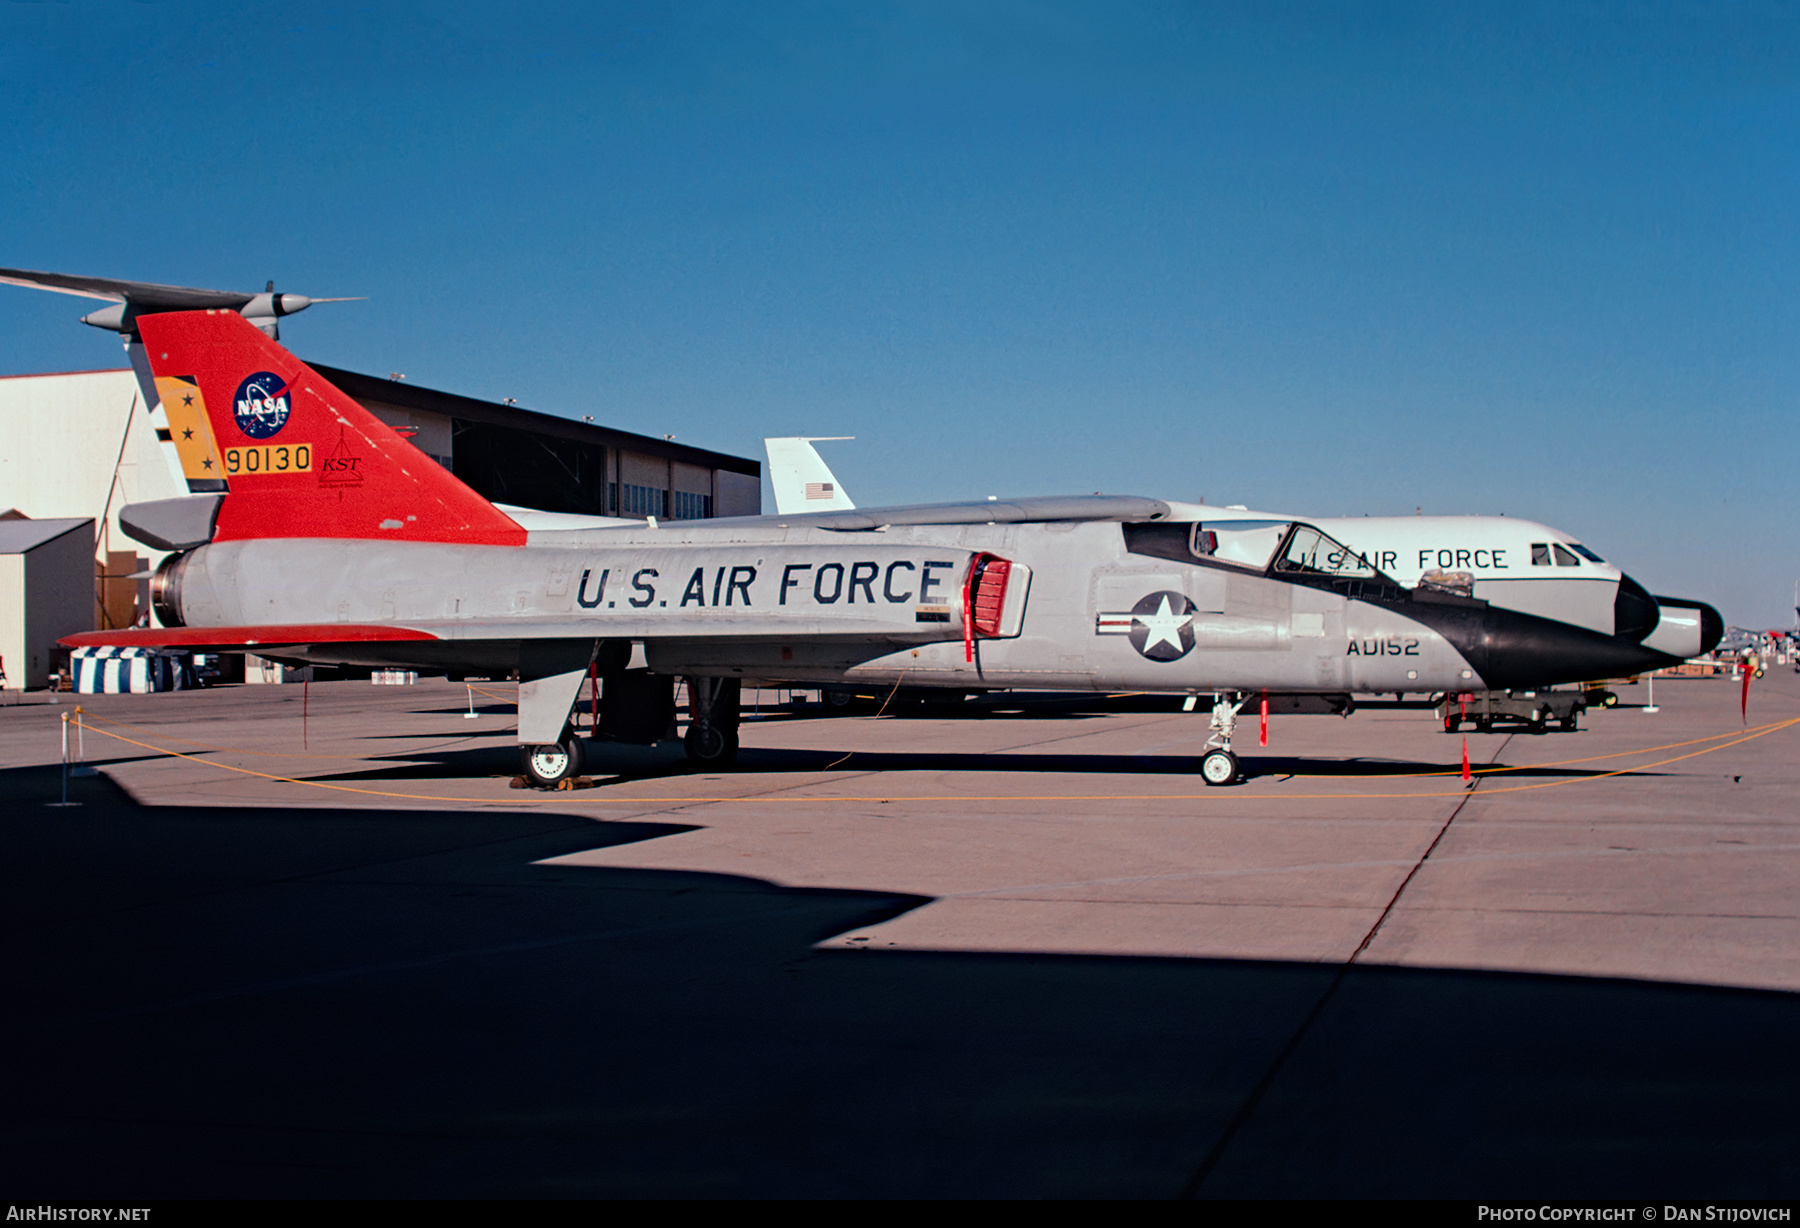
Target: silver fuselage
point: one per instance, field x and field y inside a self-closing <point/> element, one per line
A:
<point x="808" y="605"/>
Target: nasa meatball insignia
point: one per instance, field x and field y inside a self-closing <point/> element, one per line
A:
<point x="261" y="405"/>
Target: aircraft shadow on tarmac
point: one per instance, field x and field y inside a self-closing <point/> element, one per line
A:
<point x="231" y="1002"/>
<point x="506" y="709"/>
<point x="1402" y="769"/>
<point x="627" y="763"/>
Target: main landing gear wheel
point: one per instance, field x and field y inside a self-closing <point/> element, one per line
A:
<point x="1218" y="767"/>
<point x="713" y="712"/>
<point x="709" y="745"/>
<point x="548" y="766"/>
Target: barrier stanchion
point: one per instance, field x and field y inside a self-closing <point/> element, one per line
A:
<point x="65" y="764"/>
<point x="471" y="713"/>
<point x="81" y="767"/>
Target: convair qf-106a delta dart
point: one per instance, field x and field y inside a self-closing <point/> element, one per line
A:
<point x="336" y="541"/>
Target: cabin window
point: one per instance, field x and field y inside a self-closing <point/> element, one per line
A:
<point x="1563" y="557"/>
<point x="1540" y="554"/>
<point x="1585" y="553"/>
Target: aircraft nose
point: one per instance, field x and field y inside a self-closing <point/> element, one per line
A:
<point x="1523" y="651"/>
<point x="1510" y="649"/>
<point x="1685" y="628"/>
<point x="1712" y="627"/>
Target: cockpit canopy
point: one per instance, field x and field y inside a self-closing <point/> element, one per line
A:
<point x="1281" y="547"/>
<point x="1285" y="547"/>
<point x="1249" y="544"/>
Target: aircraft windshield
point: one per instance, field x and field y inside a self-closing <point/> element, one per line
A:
<point x="1241" y="543"/>
<point x="1312" y="552"/>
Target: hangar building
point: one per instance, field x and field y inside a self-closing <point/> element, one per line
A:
<point x="518" y="456"/>
<point x="45" y="567"/>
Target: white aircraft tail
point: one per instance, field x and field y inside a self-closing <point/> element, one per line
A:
<point x="802" y="481"/>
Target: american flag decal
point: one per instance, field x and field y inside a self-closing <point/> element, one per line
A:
<point x="820" y="490"/>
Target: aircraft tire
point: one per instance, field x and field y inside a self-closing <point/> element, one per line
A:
<point x="1219" y="767"/>
<point x="549" y="765"/>
<point x="709" y="745"/>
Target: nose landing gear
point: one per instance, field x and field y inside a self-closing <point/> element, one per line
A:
<point x="1218" y="766"/>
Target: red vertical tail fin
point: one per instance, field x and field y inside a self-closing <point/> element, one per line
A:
<point x="300" y="458"/>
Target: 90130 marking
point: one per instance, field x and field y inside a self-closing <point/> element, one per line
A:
<point x="269" y="458"/>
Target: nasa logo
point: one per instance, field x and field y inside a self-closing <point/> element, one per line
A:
<point x="261" y="405"/>
<point x="1162" y="626"/>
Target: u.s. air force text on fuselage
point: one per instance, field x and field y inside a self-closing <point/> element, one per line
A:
<point x="821" y="584"/>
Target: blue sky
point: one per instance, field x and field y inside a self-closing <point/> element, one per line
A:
<point x="1327" y="258"/>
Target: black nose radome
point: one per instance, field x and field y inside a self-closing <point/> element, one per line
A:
<point x="1509" y="649"/>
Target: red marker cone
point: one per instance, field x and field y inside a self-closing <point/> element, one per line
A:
<point x="968" y="626"/>
<point x="1468" y="776"/>
<point x="1262" y="735"/>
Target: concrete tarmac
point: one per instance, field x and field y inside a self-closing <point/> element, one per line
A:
<point x="324" y="949"/>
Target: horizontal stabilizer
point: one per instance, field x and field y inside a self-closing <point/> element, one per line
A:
<point x="149" y="295"/>
<point x="132" y="299"/>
